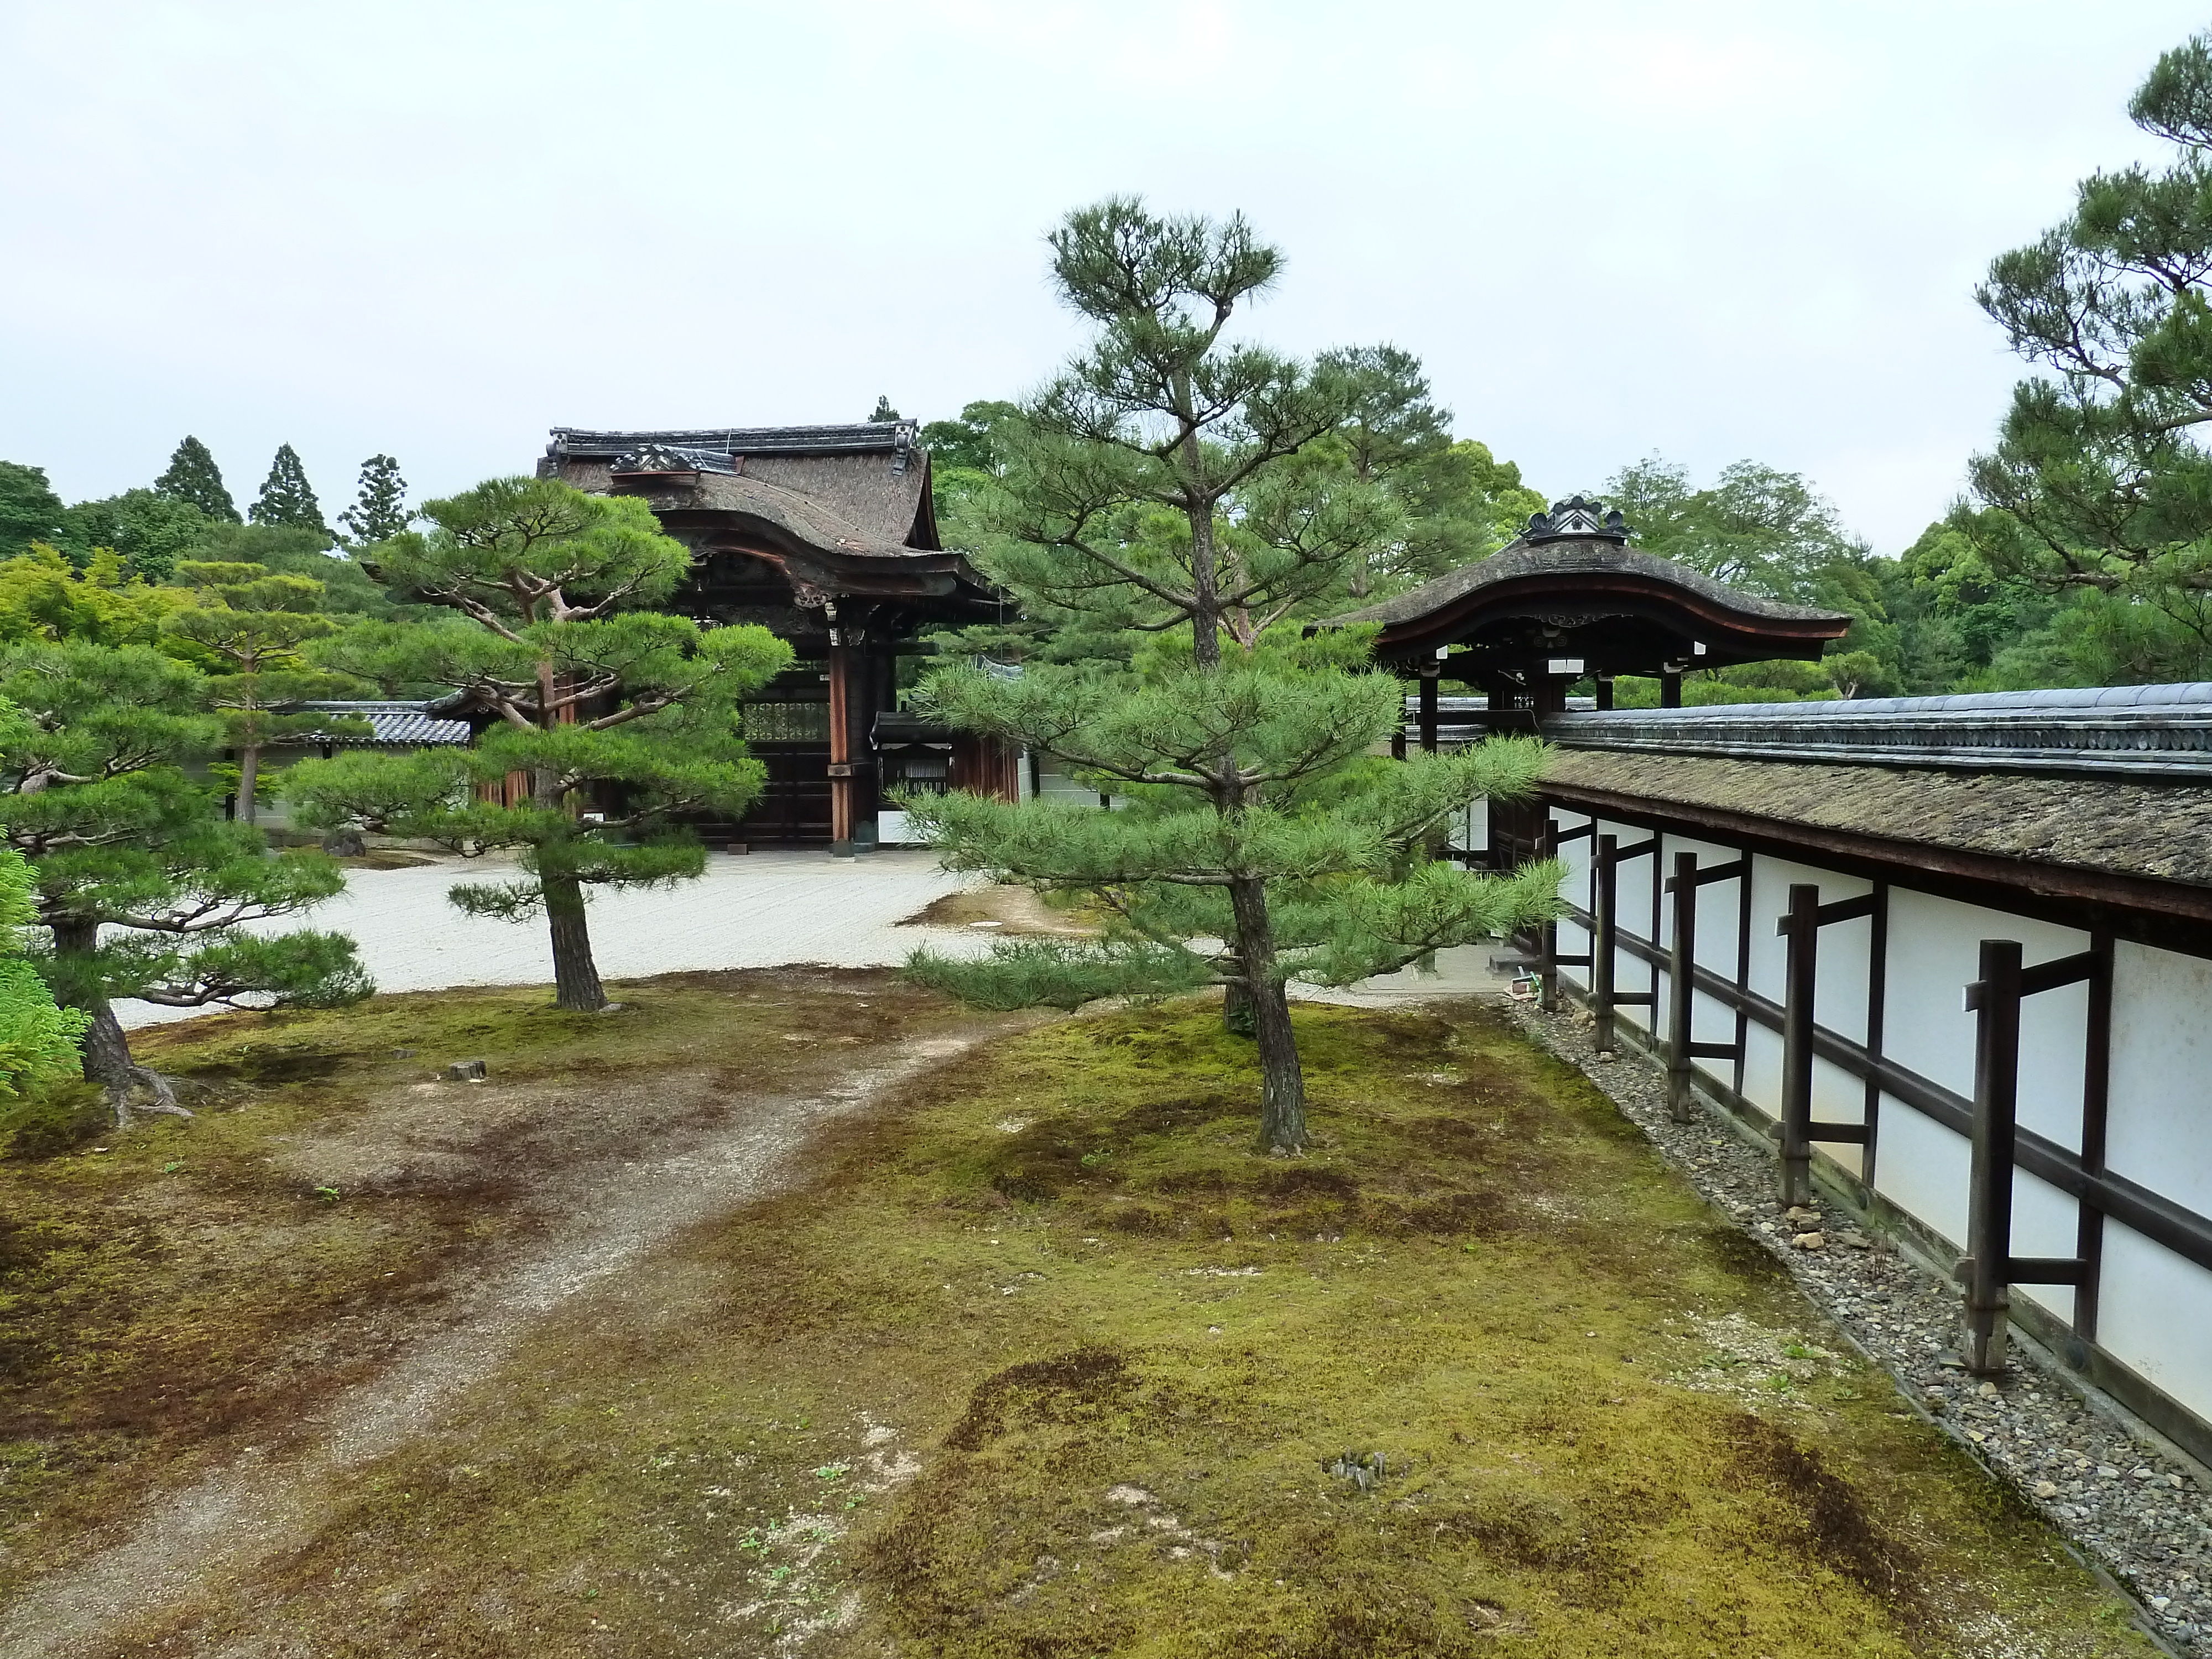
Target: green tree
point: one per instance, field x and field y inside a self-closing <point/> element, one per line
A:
<point x="1260" y="818"/>
<point x="380" y="510"/>
<point x="286" y="498"/>
<point x="95" y="796"/>
<point x="194" y="478"/>
<point x="2100" y="479"/>
<point x="29" y="509"/>
<point x="884" y="411"/>
<point x="39" y="1039"/>
<point x="623" y="720"/>
<point x="252" y="624"/>
<point x="152" y="531"/>
<point x="349" y="590"/>
<point x="44" y="597"/>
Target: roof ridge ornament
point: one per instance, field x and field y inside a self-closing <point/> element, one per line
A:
<point x="1578" y="519"/>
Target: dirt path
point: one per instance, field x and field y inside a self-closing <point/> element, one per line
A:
<point x="192" y="1541"/>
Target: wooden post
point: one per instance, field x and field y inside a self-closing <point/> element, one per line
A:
<point x="1681" y="976"/>
<point x="1670" y="688"/>
<point x="1548" y="968"/>
<point x="841" y="747"/>
<point x="1802" y="928"/>
<point x="1602" y="930"/>
<point x="1429" y="679"/>
<point x="1604" y="692"/>
<point x="1987" y="1269"/>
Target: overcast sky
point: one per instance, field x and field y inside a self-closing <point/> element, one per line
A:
<point x="1706" y="230"/>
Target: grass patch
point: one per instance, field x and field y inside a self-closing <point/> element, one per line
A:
<point x="1045" y="1363"/>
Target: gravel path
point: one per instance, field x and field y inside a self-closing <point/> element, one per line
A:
<point x="194" y="1542"/>
<point x="749" y="910"/>
<point x="2132" y="1502"/>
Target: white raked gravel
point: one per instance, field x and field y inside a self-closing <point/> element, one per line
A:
<point x="749" y="910"/>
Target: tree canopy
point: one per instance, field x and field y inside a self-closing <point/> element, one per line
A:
<point x="193" y="477"/>
<point x="1166" y="484"/>
<point x="286" y="501"/>
<point x="623" y="720"/>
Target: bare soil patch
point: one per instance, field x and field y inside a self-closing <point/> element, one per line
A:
<point x="1005" y="910"/>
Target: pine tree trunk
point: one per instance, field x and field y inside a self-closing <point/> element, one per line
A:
<point x="107" y="1053"/>
<point x="1237" y="1016"/>
<point x="249" y="776"/>
<point x="108" y="1061"/>
<point x="1282" y="1081"/>
<point x="575" y="977"/>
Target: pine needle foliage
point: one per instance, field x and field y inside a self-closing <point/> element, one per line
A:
<point x="623" y="720"/>
<point x="1177" y="484"/>
<point x="141" y="888"/>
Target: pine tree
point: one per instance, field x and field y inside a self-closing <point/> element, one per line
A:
<point x="142" y="887"/>
<point x="883" y="411"/>
<point x="286" y="497"/>
<point x="379" y="510"/>
<point x="254" y="623"/>
<point x="193" y="477"/>
<point x="1161" y="482"/>
<point x="621" y="720"/>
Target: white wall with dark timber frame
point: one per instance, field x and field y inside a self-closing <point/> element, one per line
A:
<point x="2114" y="1095"/>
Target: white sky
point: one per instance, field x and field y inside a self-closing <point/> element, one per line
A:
<point x="1709" y="230"/>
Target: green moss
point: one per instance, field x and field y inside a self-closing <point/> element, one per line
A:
<point x="1447" y="1386"/>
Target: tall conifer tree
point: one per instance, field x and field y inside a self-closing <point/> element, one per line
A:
<point x="193" y="477"/>
<point x="379" y="510"/>
<point x="286" y="498"/>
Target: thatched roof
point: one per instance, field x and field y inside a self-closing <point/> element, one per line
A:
<point x="2159" y="832"/>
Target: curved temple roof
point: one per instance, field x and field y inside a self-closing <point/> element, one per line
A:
<point x="840" y="510"/>
<point x="1572" y="588"/>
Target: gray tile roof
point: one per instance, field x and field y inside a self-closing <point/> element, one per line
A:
<point x="392" y="726"/>
<point x="2147" y="731"/>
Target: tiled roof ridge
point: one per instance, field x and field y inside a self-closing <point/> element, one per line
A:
<point x="2147" y="731"/>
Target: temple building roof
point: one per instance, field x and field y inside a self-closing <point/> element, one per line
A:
<point x="838" y="512"/>
<point x="1572" y="590"/>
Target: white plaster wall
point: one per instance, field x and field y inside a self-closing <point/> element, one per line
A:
<point x="1923" y="1168"/>
<point x="1762" y="1068"/>
<point x="1935" y="948"/>
<point x="1574" y="938"/>
<point x="2152" y="1316"/>
<point x="1839" y="997"/>
<point x="1716" y="912"/>
<point x="2158" y="1122"/>
<point x="2044" y="1221"/>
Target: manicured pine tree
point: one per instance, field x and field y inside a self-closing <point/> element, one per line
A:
<point x="286" y="497"/>
<point x="623" y="720"/>
<point x="379" y="508"/>
<point x="193" y="477"/>
<point x="1259" y="816"/>
<point x="142" y="887"/>
<point x="254" y="623"/>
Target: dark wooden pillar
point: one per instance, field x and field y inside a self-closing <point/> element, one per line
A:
<point x="1670" y="688"/>
<point x="1605" y="868"/>
<point x="1988" y="1192"/>
<point x="841" y="747"/>
<point x="1681" y="976"/>
<point x="1429" y="679"/>
<point x="1548" y="931"/>
<point x="1801" y="927"/>
<point x="1604" y="692"/>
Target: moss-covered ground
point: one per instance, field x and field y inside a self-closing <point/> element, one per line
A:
<point x="1040" y="1360"/>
